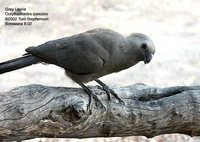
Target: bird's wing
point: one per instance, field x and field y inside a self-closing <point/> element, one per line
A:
<point x="79" y="62"/>
<point x="47" y="51"/>
<point x="82" y="54"/>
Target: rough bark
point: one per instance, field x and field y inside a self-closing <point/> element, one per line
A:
<point x="39" y="111"/>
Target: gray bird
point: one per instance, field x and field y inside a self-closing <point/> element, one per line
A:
<point x="88" y="56"/>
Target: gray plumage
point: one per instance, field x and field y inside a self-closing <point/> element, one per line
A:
<point x="88" y="56"/>
<point x="93" y="54"/>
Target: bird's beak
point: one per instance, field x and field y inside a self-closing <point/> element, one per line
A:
<point x="147" y="57"/>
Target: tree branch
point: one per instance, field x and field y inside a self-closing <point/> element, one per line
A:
<point x="39" y="111"/>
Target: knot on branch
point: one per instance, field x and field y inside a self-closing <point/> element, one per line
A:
<point x="72" y="112"/>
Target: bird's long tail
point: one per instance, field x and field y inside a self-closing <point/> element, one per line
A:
<point x="18" y="63"/>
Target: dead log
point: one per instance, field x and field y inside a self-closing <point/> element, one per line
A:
<point x="35" y="111"/>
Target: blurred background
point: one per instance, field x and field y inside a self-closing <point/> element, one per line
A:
<point x="174" y="26"/>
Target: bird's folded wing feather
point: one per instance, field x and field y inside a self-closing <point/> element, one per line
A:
<point x="80" y="54"/>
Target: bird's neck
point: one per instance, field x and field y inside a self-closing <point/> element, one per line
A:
<point x="126" y="59"/>
<point x="132" y="55"/>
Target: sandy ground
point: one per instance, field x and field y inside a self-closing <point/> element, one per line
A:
<point x="172" y="25"/>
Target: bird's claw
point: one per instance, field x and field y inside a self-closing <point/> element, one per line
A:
<point x="110" y="91"/>
<point x="121" y="102"/>
<point x="91" y="96"/>
<point x="98" y="101"/>
<point x="116" y="96"/>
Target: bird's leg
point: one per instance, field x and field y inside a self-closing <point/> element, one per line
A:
<point x="91" y="94"/>
<point x="109" y="91"/>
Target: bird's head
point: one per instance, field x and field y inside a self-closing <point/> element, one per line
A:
<point x="144" y="45"/>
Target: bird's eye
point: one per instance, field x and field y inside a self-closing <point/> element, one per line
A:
<point x="144" y="46"/>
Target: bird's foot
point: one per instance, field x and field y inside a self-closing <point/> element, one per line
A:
<point x="110" y="91"/>
<point x="98" y="101"/>
<point x="92" y="96"/>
